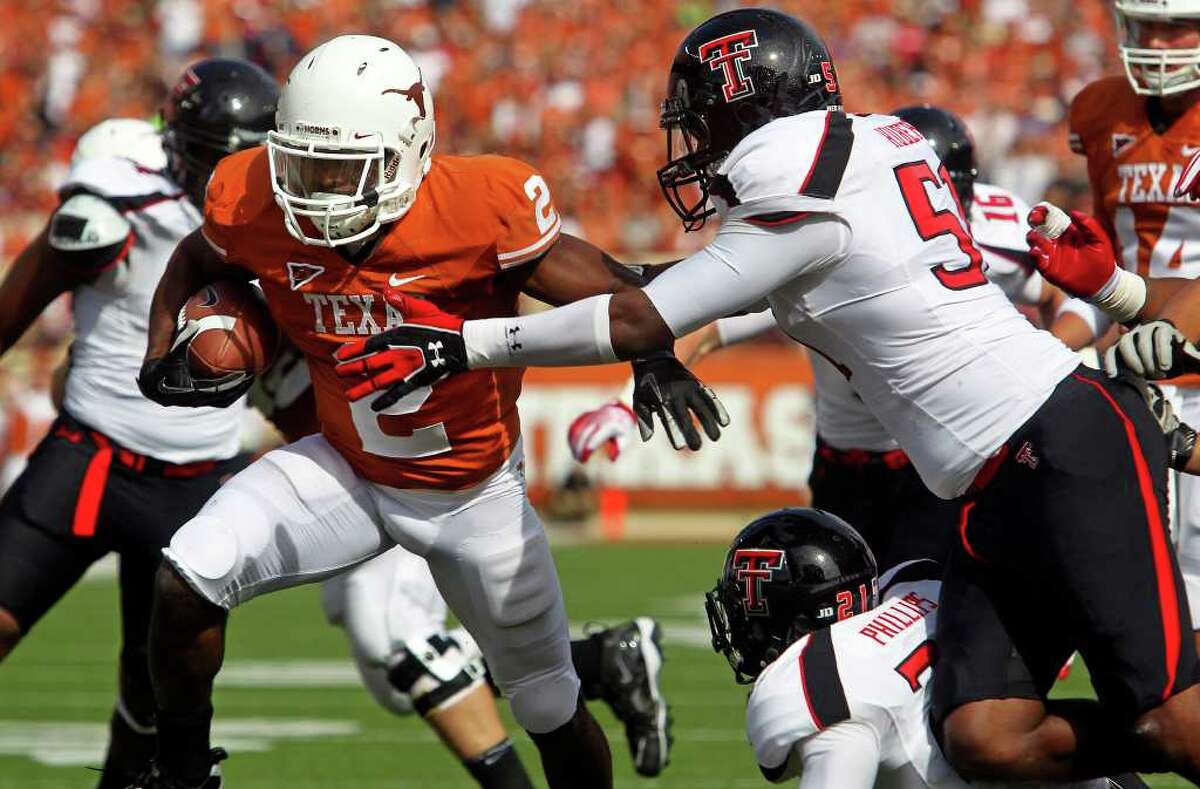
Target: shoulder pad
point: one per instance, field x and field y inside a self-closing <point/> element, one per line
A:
<point x="239" y="189"/>
<point x="1094" y="107"/>
<point x="992" y="225"/>
<point x="792" y="164"/>
<point x="118" y="180"/>
<point x="86" y="222"/>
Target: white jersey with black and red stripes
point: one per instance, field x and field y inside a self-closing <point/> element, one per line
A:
<point x="935" y="351"/>
<point x="111" y="321"/>
<point x="846" y="707"/>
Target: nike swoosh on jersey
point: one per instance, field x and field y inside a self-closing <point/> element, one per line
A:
<point x="396" y="282"/>
<point x="1189" y="150"/>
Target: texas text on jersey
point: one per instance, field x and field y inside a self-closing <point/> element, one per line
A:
<point x="476" y="217"/>
<point x="1134" y="168"/>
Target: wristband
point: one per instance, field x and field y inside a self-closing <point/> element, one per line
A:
<point x="1122" y="297"/>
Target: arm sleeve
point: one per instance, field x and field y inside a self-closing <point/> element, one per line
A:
<point x="89" y="234"/>
<point x="845" y="756"/>
<point x="742" y="264"/>
<point x="738" y="268"/>
<point x="739" y="328"/>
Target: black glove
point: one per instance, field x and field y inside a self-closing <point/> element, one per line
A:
<point x="168" y="381"/>
<point x="1181" y="438"/>
<point x="663" y="386"/>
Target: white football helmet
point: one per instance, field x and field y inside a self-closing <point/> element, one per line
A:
<point x="1157" y="72"/>
<point x="354" y="137"/>
<point x="127" y="138"/>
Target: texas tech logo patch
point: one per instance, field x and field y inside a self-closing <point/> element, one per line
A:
<point x="753" y="566"/>
<point x="725" y="54"/>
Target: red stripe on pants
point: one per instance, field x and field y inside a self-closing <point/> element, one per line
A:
<point x="1168" y="600"/>
<point x="91" y="492"/>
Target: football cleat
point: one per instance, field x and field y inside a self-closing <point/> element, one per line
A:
<point x="154" y="778"/>
<point x="631" y="662"/>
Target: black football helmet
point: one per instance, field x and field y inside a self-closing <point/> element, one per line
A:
<point x="951" y="141"/>
<point x="736" y="72"/>
<point x="788" y="573"/>
<point x="218" y="106"/>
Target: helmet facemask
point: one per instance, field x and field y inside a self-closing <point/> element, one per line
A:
<point x="1154" y="71"/>
<point x="345" y="193"/>
<point x="691" y="163"/>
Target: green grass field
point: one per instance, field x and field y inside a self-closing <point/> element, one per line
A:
<point x="293" y="717"/>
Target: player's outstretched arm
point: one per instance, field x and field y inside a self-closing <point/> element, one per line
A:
<point x="165" y="378"/>
<point x="34" y="280"/>
<point x="85" y="237"/>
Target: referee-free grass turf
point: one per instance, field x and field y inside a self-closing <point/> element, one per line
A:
<point x="293" y="717"/>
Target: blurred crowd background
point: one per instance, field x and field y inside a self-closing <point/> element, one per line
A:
<point x="572" y="86"/>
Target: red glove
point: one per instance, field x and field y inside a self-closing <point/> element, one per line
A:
<point x="425" y="348"/>
<point x="609" y="427"/>
<point x="1189" y="182"/>
<point x="1080" y="260"/>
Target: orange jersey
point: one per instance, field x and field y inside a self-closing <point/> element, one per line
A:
<point x="472" y="218"/>
<point x="1133" y="172"/>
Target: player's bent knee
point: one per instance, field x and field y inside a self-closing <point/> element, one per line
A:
<point x="977" y="747"/>
<point x="1166" y="735"/>
<point x="545" y="703"/>
<point x="433" y="672"/>
<point x="202" y="558"/>
<point x="10" y="633"/>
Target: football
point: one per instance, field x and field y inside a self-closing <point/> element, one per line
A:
<point x="235" y="333"/>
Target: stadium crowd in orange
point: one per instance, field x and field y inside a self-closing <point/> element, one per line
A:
<point x="572" y="86"/>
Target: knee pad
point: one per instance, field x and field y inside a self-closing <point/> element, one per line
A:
<point x="433" y="671"/>
<point x="205" y="552"/>
<point x="547" y="702"/>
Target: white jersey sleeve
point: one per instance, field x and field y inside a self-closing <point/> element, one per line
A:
<point x="845" y="756"/>
<point x="998" y="227"/>
<point x="88" y="233"/>
<point x="739" y="328"/>
<point x="741" y="265"/>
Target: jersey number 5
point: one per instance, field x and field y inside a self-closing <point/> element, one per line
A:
<point x="932" y="223"/>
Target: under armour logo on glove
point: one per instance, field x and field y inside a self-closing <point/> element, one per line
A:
<point x="426" y="347"/>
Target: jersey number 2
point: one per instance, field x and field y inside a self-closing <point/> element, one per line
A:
<point x="932" y="223"/>
<point x="422" y="442"/>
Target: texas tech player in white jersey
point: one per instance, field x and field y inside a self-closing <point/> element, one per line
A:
<point x="116" y="201"/>
<point x="881" y="281"/>
<point x="848" y="707"/>
<point x="997" y="223"/>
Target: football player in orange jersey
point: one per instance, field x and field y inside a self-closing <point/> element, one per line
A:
<point x="1138" y="133"/>
<point x="344" y="201"/>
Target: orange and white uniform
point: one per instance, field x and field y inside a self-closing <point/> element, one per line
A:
<point x="1134" y="169"/>
<point x="441" y="472"/>
<point x="476" y="217"/>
